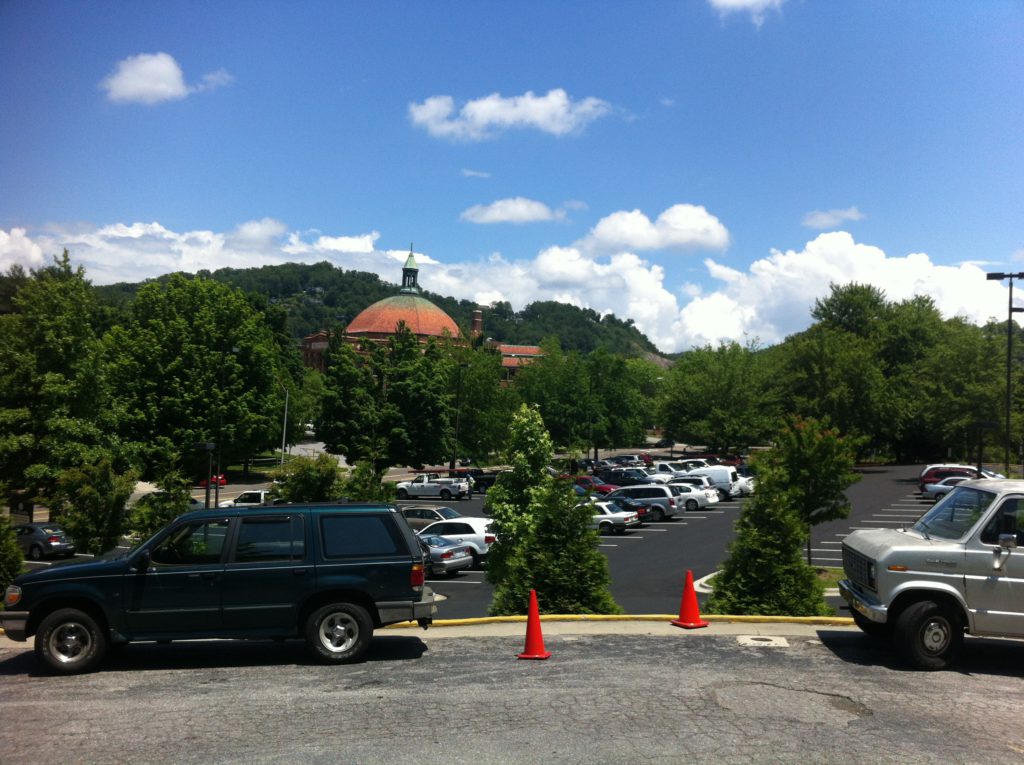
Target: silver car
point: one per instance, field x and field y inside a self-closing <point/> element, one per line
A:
<point x="446" y="557"/>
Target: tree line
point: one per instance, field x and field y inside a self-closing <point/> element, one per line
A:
<point x="95" y="394"/>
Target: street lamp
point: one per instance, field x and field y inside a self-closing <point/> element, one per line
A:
<point x="1009" y="353"/>
<point x="458" y="413"/>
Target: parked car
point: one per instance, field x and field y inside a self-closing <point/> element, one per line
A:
<point x="700" y="482"/>
<point x="665" y="443"/>
<point x="43" y="540"/>
<point x="660" y="499"/>
<point x="938" y="490"/>
<point x="625" y="476"/>
<point x="671" y="469"/>
<point x="628" y="460"/>
<point x="421" y="516"/>
<point x="689" y="497"/>
<point x="248" y="499"/>
<point x="611" y="519"/>
<point x="593" y="483"/>
<point x="446" y="557"/>
<point x="475" y="533"/>
<point x="631" y="505"/>
<point x="985" y="472"/>
<point x="232" y="575"/>
<point x="215" y="480"/>
<point x="936" y="474"/>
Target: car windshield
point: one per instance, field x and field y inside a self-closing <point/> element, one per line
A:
<point x="955" y="514"/>
<point x="448" y="513"/>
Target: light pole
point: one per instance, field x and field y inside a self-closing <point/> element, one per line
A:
<point x="284" y="425"/>
<point x="1009" y="354"/>
<point x="458" y="413"/>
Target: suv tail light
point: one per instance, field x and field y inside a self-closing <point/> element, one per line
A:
<point x="416" y="576"/>
<point x="671" y="502"/>
<point x="489" y="539"/>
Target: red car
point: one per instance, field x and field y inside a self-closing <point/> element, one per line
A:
<point x="218" y="480"/>
<point x="593" y="483"/>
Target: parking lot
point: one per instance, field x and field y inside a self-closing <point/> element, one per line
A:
<point x="648" y="565"/>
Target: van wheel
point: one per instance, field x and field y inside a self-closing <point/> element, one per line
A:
<point x="658" y="513"/>
<point x="339" y="633"/>
<point x="70" y="641"/>
<point x="403" y="494"/>
<point x="929" y="635"/>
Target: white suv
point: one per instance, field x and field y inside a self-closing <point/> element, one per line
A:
<point x="658" y="498"/>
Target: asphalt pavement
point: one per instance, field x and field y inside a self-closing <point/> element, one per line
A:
<point x="613" y="691"/>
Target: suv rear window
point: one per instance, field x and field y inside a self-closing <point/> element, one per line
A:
<point x="346" y="536"/>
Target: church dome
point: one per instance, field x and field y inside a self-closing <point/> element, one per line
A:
<point x="423" y="318"/>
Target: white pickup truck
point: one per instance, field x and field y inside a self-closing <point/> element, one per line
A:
<point x="433" y="485"/>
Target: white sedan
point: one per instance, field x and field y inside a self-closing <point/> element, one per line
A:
<point x="690" y="497"/>
<point x="611" y="519"/>
<point x="474" y="533"/>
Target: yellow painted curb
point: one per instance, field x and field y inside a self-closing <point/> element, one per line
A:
<point x="833" y="621"/>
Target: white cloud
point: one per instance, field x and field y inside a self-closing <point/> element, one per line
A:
<point x="682" y="225"/>
<point x="151" y="78"/>
<point x="474" y="173"/>
<point x="822" y="219"/>
<point x="770" y="299"/>
<point x="515" y="210"/>
<point x="484" y="118"/>
<point x="756" y="8"/>
<point x="18" y="249"/>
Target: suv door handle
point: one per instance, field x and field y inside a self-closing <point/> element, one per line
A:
<point x="299" y="571"/>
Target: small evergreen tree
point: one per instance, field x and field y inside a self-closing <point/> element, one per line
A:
<point x="89" y="501"/>
<point x="154" y="511"/>
<point x="309" y="479"/>
<point x="544" y="540"/>
<point x="10" y="552"/>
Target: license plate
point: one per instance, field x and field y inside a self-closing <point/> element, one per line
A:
<point x="460" y="554"/>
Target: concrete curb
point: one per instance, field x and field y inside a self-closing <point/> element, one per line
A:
<point x="823" y="621"/>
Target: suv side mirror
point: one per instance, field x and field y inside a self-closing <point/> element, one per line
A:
<point x="1008" y="541"/>
<point x="142" y="561"/>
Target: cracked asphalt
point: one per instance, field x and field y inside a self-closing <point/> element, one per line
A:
<point x="614" y="692"/>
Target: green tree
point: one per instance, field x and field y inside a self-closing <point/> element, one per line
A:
<point x="155" y="510"/>
<point x="721" y="397"/>
<point x="53" y="396"/>
<point x="544" y="540"/>
<point x="89" y="501"/>
<point x="11" y="557"/>
<point x="764" y="573"/>
<point x="816" y="463"/>
<point x="309" y="479"/>
<point x="387" y="404"/>
<point x="558" y="385"/>
<point x="196" y="363"/>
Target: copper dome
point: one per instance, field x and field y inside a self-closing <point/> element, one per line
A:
<point x="422" y="317"/>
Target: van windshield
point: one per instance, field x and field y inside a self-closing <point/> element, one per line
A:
<point x="955" y="514"/>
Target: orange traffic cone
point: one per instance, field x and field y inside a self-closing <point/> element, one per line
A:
<point x="534" y="648"/>
<point x="689" y="613"/>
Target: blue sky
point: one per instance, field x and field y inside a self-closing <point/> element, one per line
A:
<point x="705" y="167"/>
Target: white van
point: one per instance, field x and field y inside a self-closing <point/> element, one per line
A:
<point x="722" y="477"/>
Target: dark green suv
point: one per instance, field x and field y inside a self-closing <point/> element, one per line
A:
<point x="330" y="574"/>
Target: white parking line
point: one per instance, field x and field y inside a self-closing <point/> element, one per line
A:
<point x="453" y="581"/>
<point x="832" y="543"/>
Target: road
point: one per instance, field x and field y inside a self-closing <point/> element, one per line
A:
<point x="634" y="692"/>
